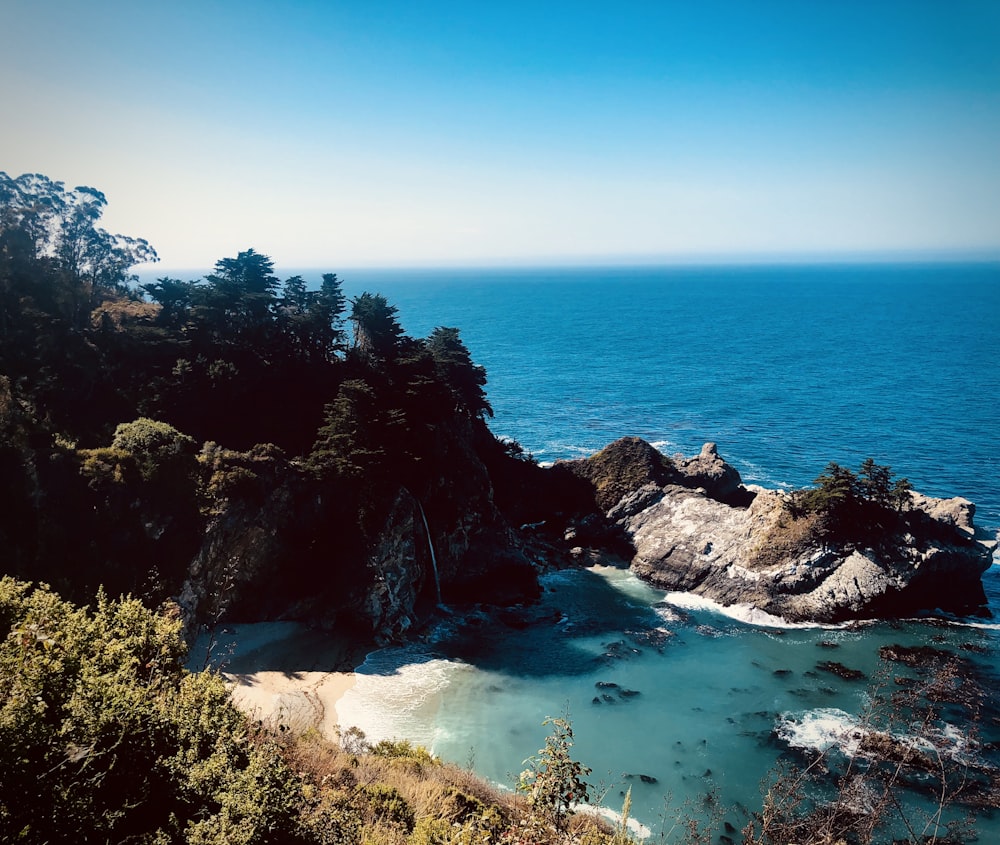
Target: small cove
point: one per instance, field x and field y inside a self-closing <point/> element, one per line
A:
<point x="785" y="368"/>
<point x="671" y="701"/>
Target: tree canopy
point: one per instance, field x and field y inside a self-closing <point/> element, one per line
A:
<point x="108" y="387"/>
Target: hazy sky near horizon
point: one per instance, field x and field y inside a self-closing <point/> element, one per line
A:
<point x="343" y="134"/>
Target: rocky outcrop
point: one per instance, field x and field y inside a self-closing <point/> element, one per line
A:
<point x="704" y="532"/>
<point x="294" y="546"/>
<point x="719" y="480"/>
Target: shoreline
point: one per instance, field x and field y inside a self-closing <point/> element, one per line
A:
<point x="283" y="673"/>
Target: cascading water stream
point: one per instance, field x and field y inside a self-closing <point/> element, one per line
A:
<point x="430" y="546"/>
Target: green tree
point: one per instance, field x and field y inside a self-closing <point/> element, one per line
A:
<point x="351" y="441"/>
<point x="57" y="229"/>
<point x="454" y="366"/>
<point x="875" y="482"/>
<point x="377" y="332"/>
<point x="174" y="298"/>
<point x="328" y="313"/>
<point x="836" y="488"/>
<point x="295" y="318"/>
<point x="242" y="291"/>
<point x="900" y="495"/>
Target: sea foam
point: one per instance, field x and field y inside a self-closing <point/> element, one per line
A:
<point x="745" y="613"/>
<point x="396" y="694"/>
<point x="820" y="730"/>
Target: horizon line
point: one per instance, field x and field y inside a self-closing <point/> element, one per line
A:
<point x="886" y="258"/>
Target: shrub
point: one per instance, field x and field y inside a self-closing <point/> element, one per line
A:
<point x="105" y="737"/>
<point x="384" y="804"/>
<point x="553" y="781"/>
<point x="404" y="749"/>
<point x="154" y="445"/>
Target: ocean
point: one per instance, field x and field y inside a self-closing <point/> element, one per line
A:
<point x="784" y="367"/>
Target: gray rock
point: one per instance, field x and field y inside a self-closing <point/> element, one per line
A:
<point x="687" y="537"/>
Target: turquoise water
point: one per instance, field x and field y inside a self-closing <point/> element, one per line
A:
<point x="786" y="369"/>
<point x="697" y="698"/>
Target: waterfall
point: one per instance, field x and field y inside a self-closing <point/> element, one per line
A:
<point x="430" y="546"/>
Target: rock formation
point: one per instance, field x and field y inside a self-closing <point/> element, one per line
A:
<point x="695" y="527"/>
<point x="292" y="548"/>
<point x="682" y="524"/>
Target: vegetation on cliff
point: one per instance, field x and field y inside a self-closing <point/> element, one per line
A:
<point x="134" y="417"/>
<point x="854" y="502"/>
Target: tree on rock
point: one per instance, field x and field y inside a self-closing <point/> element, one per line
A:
<point x="377" y="332"/>
<point x="456" y="369"/>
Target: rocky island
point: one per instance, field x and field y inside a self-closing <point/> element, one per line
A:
<point x="695" y="527"/>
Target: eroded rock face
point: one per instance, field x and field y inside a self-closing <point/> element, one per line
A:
<point x="696" y="536"/>
<point x="278" y="554"/>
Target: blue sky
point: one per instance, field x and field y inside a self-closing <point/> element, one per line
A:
<point x="340" y="134"/>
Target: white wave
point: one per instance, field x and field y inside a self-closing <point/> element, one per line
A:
<point x="746" y="613"/>
<point x="827" y="727"/>
<point x="663" y="446"/>
<point x="960" y="623"/>
<point x="637" y="828"/>
<point x="750" y="471"/>
<point x="820" y="730"/>
<point x="396" y="695"/>
<point x="668" y="616"/>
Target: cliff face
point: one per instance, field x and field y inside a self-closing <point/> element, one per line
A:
<point x="703" y="532"/>
<point x="291" y="547"/>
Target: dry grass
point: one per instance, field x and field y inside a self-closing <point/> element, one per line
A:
<point x="787" y="538"/>
<point x="395" y="793"/>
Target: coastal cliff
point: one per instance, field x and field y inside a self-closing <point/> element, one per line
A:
<point x="251" y="448"/>
<point x="681" y="524"/>
<point x="291" y="546"/>
<point x="695" y="527"/>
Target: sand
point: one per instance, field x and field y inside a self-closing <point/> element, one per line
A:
<point x="281" y="672"/>
<point x="298" y="701"/>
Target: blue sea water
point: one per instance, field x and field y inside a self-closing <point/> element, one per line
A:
<point x="786" y="368"/>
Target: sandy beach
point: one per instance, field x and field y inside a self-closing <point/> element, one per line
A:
<point x="281" y="672"/>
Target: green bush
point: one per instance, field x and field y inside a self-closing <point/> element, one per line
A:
<point x="154" y="445"/>
<point x="105" y="737"/>
<point x="385" y="804"/>
<point x="403" y="748"/>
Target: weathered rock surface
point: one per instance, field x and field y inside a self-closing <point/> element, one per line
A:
<point x="705" y="533"/>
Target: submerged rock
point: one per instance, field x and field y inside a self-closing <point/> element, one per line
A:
<point x="921" y="655"/>
<point x="840" y="670"/>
